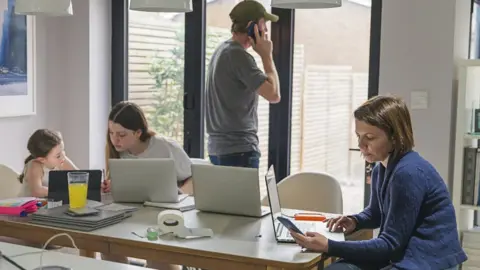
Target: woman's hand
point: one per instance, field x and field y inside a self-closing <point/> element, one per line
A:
<point x="341" y="224"/>
<point x="312" y="241"/>
<point x="106" y="186"/>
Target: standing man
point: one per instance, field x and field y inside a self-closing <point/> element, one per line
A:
<point x="234" y="83"/>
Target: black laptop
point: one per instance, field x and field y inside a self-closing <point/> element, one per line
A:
<point x="58" y="185"/>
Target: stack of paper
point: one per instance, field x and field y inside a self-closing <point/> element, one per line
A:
<point x="188" y="203"/>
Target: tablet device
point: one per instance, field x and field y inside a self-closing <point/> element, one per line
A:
<point x="58" y="185"/>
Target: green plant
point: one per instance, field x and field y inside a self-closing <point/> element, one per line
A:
<point x="168" y="72"/>
<point x="167" y="115"/>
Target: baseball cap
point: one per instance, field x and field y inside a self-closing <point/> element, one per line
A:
<point x="251" y="10"/>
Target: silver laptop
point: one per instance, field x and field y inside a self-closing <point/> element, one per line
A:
<point x="141" y="180"/>
<point x="282" y="234"/>
<point x="227" y="190"/>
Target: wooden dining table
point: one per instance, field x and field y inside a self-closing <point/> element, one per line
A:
<point x="238" y="242"/>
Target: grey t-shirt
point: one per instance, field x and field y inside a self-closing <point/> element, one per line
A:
<point x="231" y="100"/>
<point x="161" y="147"/>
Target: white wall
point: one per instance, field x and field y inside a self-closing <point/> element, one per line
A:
<point x="73" y="86"/>
<point x="417" y="53"/>
<point x="100" y="82"/>
<point x="15" y="131"/>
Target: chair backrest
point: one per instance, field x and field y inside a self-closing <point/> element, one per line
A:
<point x="9" y="182"/>
<point x="310" y="191"/>
<point x="200" y="161"/>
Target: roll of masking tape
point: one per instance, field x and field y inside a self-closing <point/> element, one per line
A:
<point x="172" y="221"/>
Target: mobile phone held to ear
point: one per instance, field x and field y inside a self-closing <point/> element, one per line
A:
<point x="251" y="31"/>
<point x="289" y="225"/>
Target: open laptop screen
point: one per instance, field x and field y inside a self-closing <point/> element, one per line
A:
<point x="273" y="198"/>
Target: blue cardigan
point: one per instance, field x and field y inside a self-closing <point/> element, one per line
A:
<point x="411" y="206"/>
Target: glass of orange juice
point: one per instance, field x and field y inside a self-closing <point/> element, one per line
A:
<point x="77" y="189"/>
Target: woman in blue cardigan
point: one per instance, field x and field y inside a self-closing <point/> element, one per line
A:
<point x="409" y="201"/>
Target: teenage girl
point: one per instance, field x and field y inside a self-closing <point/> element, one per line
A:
<point x="129" y="137"/>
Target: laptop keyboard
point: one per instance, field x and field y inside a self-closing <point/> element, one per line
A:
<point x="284" y="232"/>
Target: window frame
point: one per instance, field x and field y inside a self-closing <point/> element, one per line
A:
<point x="282" y="35"/>
<point x="194" y="82"/>
<point x="279" y="133"/>
<point x="476" y="20"/>
<point x="373" y="71"/>
<point x="119" y="79"/>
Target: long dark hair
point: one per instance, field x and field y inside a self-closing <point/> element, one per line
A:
<point x="40" y="143"/>
<point x="130" y="116"/>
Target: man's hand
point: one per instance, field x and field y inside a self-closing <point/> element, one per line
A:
<point x="263" y="46"/>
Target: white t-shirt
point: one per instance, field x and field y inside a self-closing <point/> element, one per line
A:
<point x="161" y="147"/>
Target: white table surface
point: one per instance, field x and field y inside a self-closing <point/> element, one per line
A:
<point x="31" y="261"/>
<point x="233" y="235"/>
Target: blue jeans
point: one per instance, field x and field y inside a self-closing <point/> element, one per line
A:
<point x="246" y="159"/>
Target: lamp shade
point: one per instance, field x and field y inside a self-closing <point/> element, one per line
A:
<point x="306" y="4"/>
<point x="44" y="7"/>
<point x="161" y="5"/>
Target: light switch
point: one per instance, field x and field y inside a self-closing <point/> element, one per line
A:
<point x="419" y="99"/>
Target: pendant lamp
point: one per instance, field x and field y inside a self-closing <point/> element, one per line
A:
<point x="44" y="7"/>
<point x="306" y="4"/>
<point x="161" y="5"/>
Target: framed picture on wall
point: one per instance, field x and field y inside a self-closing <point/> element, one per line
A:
<point x="17" y="67"/>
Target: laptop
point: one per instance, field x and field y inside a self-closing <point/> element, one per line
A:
<point x="227" y="190"/>
<point x="282" y="234"/>
<point x="58" y="185"/>
<point x="141" y="180"/>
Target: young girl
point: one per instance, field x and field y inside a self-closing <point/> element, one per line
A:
<point x="129" y="137"/>
<point x="46" y="153"/>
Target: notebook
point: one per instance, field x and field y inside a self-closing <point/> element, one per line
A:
<point x="184" y="205"/>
